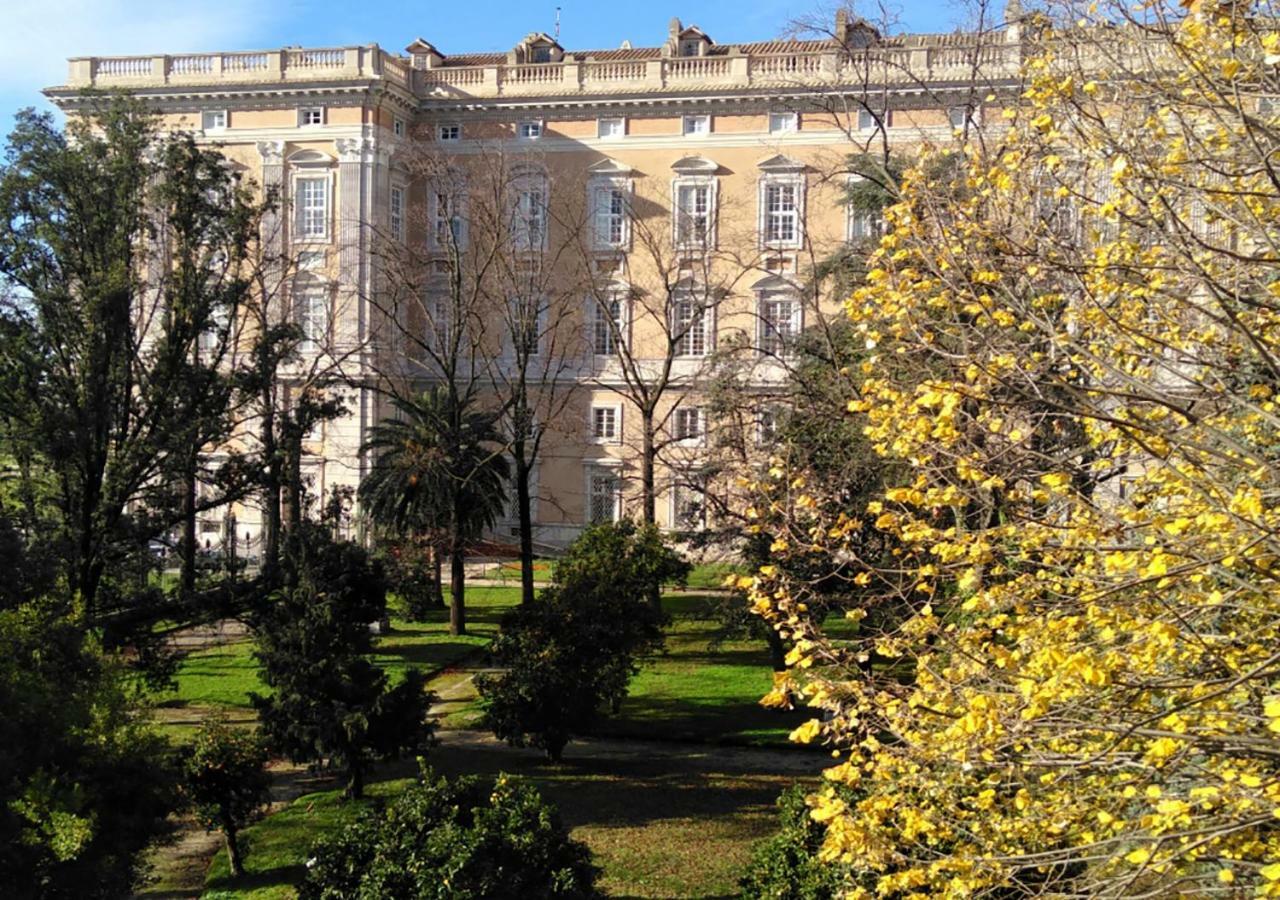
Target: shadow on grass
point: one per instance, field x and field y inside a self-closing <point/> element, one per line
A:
<point x="278" y="876"/>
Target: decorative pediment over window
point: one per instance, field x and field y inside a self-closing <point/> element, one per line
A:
<point x="772" y="283"/>
<point x="695" y="165"/>
<point x="309" y="158"/>
<point x="780" y="163"/>
<point x="610" y="167"/>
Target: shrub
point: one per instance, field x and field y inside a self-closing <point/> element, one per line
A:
<point x="329" y="702"/>
<point x="226" y="780"/>
<point x="786" y="866"/>
<point x="460" y="839"/>
<point x="574" y="648"/>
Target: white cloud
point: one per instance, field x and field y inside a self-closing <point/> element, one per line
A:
<point x="38" y="35"/>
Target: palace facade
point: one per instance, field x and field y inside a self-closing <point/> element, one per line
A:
<point x="580" y="237"/>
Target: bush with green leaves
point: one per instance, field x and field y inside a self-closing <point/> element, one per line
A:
<point x="786" y="866"/>
<point x="329" y="702"/>
<point x="84" y="785"/>
<point x="461" y="839"/>
<point x="225" y="777"/>
<point x="572" y="651"/>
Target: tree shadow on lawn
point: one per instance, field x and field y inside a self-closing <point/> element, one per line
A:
<point x="707" y="718"/>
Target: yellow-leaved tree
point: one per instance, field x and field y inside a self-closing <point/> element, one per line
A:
<point x="1073" y="333"/>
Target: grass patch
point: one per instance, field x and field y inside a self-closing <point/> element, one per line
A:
<point x="711" y="576"/>
<point x="680" y="825"/>
<point x="223" y="676"/>
<point x="702" y="688"/>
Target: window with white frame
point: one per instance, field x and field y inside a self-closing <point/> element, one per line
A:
<point x="439" y="324"/>
<point x="311" y="115"/>
<point x="312" y="207"/>
<point x="606" y="424"/>
<point x="450" y="131"/>
<point x="604" y="494"/>
<point x="613" y="127"/>
<point x="697" y="125"/>
<point x="960" y="116"/>
<point x="312" y="260"/>
<point x="311" y="315"/>
<point x="397" y="127"/>
<point x="780" y="323"/>
<point x="689" y="503"/>
<point x="869" y="121"/>
<point x="211" y="338"/>
<point x="690" y="327"/>
<point x="528" y="322"/>
<point x="529" y="130"/>
<point x="694" y="212"/>
<point x="529" y="226"/>
<point x="213" y="120"/>
<point x="448" y="225"/>
<point x="691" y="47"/>
<point x="395" y="212"/>
<point x="767" y="421"/>
<point x="784" y="122"/>
<point x="780" y="208"/>
<point x="688" y="424"/>
<point x="865" y="224"/>
<point x="608" y="324"/>
<point x="609" y="200"/>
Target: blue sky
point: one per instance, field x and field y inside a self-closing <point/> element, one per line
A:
<point x="38" y="35"/>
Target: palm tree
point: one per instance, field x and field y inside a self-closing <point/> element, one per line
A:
<point x="435" y="468"/>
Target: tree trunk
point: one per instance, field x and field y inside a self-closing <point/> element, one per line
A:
<point x="293" y="483"/>
<point x="648" y="457"/>
<point x="525" y="509"/>
<point x="355" y="782"/>
<point x="457" y="577"/>
<point x="777" y="651"/>
<point x="233" y="850"/>
<point x="187" y="579"/>
<point x="437" y="568"/>
<point x="270" y="495"/>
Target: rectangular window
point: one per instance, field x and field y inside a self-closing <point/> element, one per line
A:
<point x="693" y="215"/>
<point x="689" y="425"/>
<point x="312" y="318"/>
<point x="604" y="495"/>
<point x="781" y="214"/>
<point x="440" y="323"/>
<point x="214" y="120"/>
<point x="313" y="208"/>
<point x="689" y="504"/>
<point x="212" y="337"/>
<point x="396" y="213"/>
<point x="865" y="224"/>
<point x="606" y="326"/>
<point x="868" y="121"/>
<point x="779" y="325"/>
<point x="448" y="228"/>
<point x="312" y="261"/>
<point x="611" y="128"/>
<point x="449" y="132"/>
<point x="611" y="217"/>
<point x="689" y="328"/>
<point x="691" y="47"/>
<point x="397" y="127"/>
<point x="766" y="426"/>
<point x="540" y="54"/>
<point x="783" y="123"/>
<point x="529" y="131"/>
<point x="605" y="425"/>
<point x="531" y="219"/>
<point x="697" y="124"/>
<point x="311" y="115"/>
<point x="528" y="317"/>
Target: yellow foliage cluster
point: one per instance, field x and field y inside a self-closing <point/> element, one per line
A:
<point x="1073" y="340"/>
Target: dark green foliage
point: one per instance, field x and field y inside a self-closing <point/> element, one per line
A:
<point x="225" y="778"/>
<point x="109" y="232"/>
<point x="465" y="839"/>
<point x="329" y="702"/>
<point x="83" y="786"/>
<point x="412" y="577"/>
<point x="572" y="651"/>
<point x="786" y="866"/>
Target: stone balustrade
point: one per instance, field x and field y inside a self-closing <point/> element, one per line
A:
<point x="921" y="63"/>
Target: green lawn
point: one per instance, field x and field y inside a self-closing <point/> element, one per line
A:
<point x="702" y="688"/>
<point x="223" y="676"/>
<point x="683" y="825"/>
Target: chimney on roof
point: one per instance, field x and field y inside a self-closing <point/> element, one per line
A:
<point x="842" y="27"/>
<point x="1013" y="16"/>
<point x="672" y="45"/>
